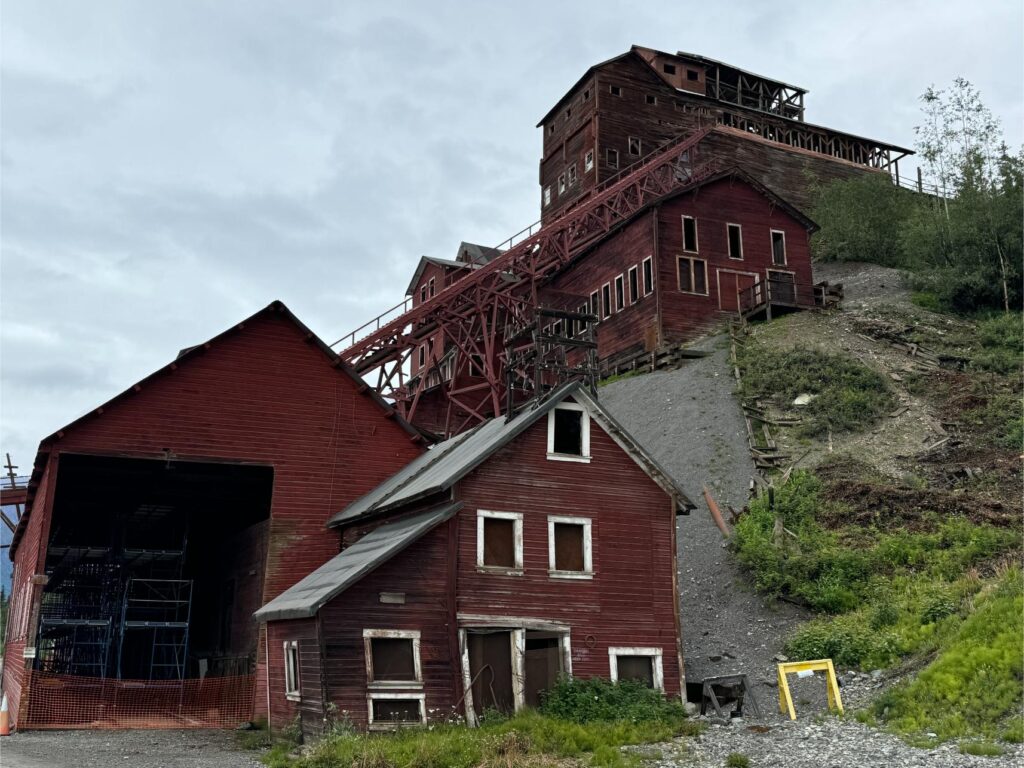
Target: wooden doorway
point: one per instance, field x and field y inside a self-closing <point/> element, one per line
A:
<point x="543" y="664"/>
<point x="730" y="286"/>
<point x="782" y="287"/>
<point x="490" y="670"/>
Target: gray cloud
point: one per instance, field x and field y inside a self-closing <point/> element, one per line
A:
<point x="168" y="168"/>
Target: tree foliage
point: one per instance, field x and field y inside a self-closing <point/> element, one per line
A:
<point x="965" y="245"/>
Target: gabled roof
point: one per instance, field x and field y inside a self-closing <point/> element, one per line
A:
<point x="309" y="595"/>
<point x="476" y="254"/>
<point x="424" y="260"/>
<point x="185" y="357"/>
<point x="437" y="470"/>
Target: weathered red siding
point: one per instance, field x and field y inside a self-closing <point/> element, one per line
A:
<point x="263" y="395"/>
<point x="685" y="315"/>
<point x="630" y="601"/>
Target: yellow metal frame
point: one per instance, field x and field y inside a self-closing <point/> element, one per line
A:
<point x="821" y="665"/>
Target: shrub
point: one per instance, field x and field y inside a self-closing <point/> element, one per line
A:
<point x="849" y="396"/>
<point x="982" y="748"/>
<point x="737" y="760"/>
<point x="599" y="700"/>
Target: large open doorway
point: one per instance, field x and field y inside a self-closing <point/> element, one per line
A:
<point x="512" y="668"/>
<point x="154" y="569"/>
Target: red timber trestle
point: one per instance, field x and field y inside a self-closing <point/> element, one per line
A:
<point x="499" y="299"/>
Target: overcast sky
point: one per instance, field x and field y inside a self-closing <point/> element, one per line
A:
<point x="170" y="167"/>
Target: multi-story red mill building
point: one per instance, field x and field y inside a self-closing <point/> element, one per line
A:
<point x="671" y="189"/>
<point x="383" y="576"/>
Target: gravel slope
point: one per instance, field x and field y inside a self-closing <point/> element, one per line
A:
<point x="690" y="421"/>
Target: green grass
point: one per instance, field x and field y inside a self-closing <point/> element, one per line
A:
<point x="584" y="720"/>
<point x="737" y="760"/>
<point x="849" y="396"/>
<point x="982" y="748"/>
<point x="888" y="594"/>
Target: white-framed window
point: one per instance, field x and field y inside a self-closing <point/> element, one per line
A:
<point x="734" y="234"/>
<point x="620" y="294"/>
<point x="648" y="270"/>
<point x="612" y="156"/>
<point x="292" y="682"/>
<point x="561" y="183"/>
<point x="588" y="161"/>
<point x="547" y="195"/>
<point x="606" y="301"/>
<point x="689" y="234"/>
<point x="421" y="355"/>
<point x="633" y="284"/>
<point x="595" y="304"/>
<point x="572" y="174"/>
<point x="634" y="145"/>
<point x="569" y="433"/>
<point x="638" y="664"/>
<point x="430" y="285"/>
<point x="693" y="275"/>
<point x="778" y="247"/>
<point x="389" y="711"/>
<point x="581" y="325"/>
<point x="392" y="658"/>
<point x="570" y="552"/>
<point x="423" y="293"/>
<point x="499" y="541"/>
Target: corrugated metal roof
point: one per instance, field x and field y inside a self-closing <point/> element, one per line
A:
<point x="332" y="578"/>
<point x="446" y="463"/>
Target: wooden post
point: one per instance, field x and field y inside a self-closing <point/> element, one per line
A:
<point x="920" y="181"/>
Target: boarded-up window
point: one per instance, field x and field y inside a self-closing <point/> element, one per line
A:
<point x="778" y="248"/>
<point x="499" y="542"/>
<point x="693" y="275"/>
<point x="569" y="547"/>
<point x="735" y="241"/>
<point x="689" y="233"/>
<point x="393" y="658"/>
<point x="568" y="432"/>
<point x="397" y="710"/>
<point x="636" y="668"/>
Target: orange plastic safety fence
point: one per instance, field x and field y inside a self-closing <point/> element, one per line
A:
<point x="66" y="701"/>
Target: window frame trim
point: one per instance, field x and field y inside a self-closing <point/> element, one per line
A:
<point x="392" y="634"/>
<point x="584" y="457"/>
<point x="588" y="161"/>
<point x="728" y="242"/>
<point x="679" y="273"/>
<point x="292" y="694"/>
<point x="606" y="304"/>
<point x="771" y="245"/>
<point x="696" y="234"/>
<point x="643" y="275"/>
<point x="657" y="669"/>
<point x="620" y="292"/>
<point x="633" y="279"/>
<point x="588" y="547"/>
<point x="517" y="542"/>
<point x="391" y="725"/>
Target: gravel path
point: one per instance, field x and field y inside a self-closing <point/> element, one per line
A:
<point x="690" y="421"/>
<point x="830" y="743"/>
<point x="133" y="749"/>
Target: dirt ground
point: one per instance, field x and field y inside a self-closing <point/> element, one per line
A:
<point x="132" y="749"/>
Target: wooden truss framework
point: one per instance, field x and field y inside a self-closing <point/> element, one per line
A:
<point x="478" y="312"/>
<point x="756" y="93"/>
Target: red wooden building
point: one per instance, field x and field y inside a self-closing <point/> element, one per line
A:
<point x="471" y="579"/>
<point x="678" y="267"/>
<point x="157" y="523"/>
<point x="624" y="108"/>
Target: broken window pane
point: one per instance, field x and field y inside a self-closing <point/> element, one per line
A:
<point x="396" y="710"/>
<point x="499" y="542"/>
<point x="568" y="432"/>
<point x="569" y="547"/>
<point x="393" y="658"/>
<point x="636" y="668"/>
